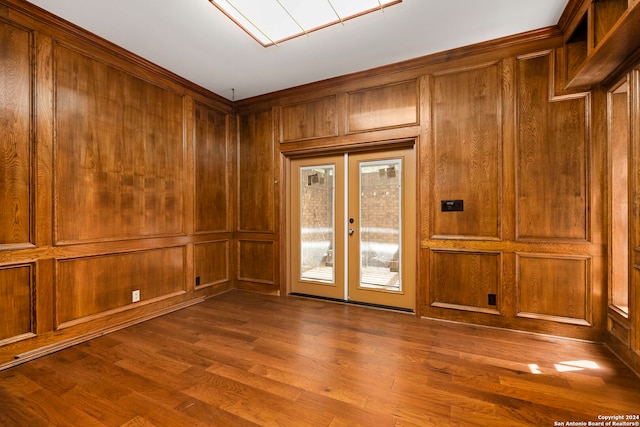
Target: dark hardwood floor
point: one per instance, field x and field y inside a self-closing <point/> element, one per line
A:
<point x="244" y="359"/>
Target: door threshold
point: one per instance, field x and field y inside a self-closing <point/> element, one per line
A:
<point x="364" y="304"/>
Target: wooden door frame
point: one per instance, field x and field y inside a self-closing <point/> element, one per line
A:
<point x="285" y="198"/>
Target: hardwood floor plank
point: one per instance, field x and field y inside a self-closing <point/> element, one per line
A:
<point x="138" y="421"/>
<point x="96" y="406"/>
<point x="16" y="411"/>
<point x="276" y="387"/>
<point x="246" y="359"/>
<point x="209" y="415"/>
<point x="57" y="411"/>
<point x="343" y="413"/>
<point x="146" y="407"/>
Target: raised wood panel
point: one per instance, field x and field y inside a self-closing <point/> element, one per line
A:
<point x="313" y="119"/>
<point x="256" y="261"/>
<point x="552" y="158"/>
<point x="256" y="172"/>
<point x="462" y="280"/>
<point x="16" y="302"/>
<point x="212" y="262"/>
<point x="15" y="135"/>
<point x="467" y="153"/>
<point x="619" y="329"/>
<point x="89" y="286"/>
<point x="554" y="288"/>
<point x="383" y="107"/>
<point x="119" y="153"/>
<point x="211" y="169"/>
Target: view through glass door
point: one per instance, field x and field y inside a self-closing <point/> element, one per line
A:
<point x="352" y="233"/>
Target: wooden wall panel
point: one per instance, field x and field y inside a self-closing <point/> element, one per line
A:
<point x="256" y="261"/>
<point x="311" y="119"/>
<point x="89" y="286"/>
<point x="256" y="171"/>
<point x="16" y="302"/>
<point x="553" y="156"/>
<point x="383" y="107"/>
<point x="212" y="262"/>
<point x="467" y="151"/>
<point x="108" y="183"/>
<point x="212" y="169"/>
<point x="462" y="280"/>
<point x="15" y="135"/>
<point x="554" y="288"/>
<point x="119" y="153"/>
<point x="619" y="329"/>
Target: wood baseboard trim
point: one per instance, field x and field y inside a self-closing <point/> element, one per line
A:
<point x="49" y="349"/>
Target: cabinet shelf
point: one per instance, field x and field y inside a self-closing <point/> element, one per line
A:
<point x="603" y="39"/>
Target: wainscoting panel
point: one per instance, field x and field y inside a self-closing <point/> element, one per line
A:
<point x="463" y="280"/>
<point x="256" y="261"/>
<point x="16" y="302"/>
<point x="554" y="288"/>
<point x="212" y="262"/>
<point x="96" y="285"/>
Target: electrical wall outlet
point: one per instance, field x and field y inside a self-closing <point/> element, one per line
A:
<point x="492" y="299"/>
<point x="135" y="295"/>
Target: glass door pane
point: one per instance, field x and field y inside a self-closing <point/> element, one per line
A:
<point x="382" y="228"/>
<point x="315" y="216"/>
<point x="317" y="223"/>
<point x="380" y="224"/>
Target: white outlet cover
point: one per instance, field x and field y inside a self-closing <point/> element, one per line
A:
<point x="135" y="296"/>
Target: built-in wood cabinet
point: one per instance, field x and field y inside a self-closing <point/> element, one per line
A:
<point x="600" y="36"/>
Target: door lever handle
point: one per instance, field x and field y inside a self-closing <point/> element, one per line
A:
<point x="351" y="231"/>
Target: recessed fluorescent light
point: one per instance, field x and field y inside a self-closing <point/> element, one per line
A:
<point x="273" y="21"/>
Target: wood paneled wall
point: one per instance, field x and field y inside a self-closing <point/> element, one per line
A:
<point x="521" y="157"/>
<point x="115" y="176"/>
<point x="492" y="126"/>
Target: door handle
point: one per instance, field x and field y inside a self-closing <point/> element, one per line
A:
<point x="351" y="230"/>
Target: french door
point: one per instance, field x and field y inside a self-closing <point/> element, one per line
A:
<point x="353" y="227"/>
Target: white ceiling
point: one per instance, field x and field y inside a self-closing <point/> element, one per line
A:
<point x="193" y="39"/>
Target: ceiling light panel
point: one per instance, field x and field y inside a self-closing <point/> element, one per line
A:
<point x="273" y="21"/>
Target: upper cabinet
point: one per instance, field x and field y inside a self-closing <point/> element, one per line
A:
<point x="600" y="36"/>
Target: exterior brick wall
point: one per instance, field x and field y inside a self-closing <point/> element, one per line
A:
<point x="380" y="216"/>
